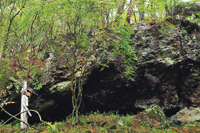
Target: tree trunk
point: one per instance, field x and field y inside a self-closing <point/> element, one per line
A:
<point x="130" y="11"/>
<point x="135" y="16"/>
<point x="120" y="11"/>
<point x="24" y="102"/>
<point x="167" y="10"/>
<point x="141" y="11"/>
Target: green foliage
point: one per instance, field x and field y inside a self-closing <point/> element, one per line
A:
<point x="125" y="52"/>
<point x="51" y="128"/>
<point x="10" y="86"/>
<point x="36" y="83"/>
<point x="20" y="76"/>
<point x="28" y="27"/>
<point x="38" y="22"/>
<point x="24" y="31"/>
<point x="17" y="86"/>
<point x="3" y="75"/>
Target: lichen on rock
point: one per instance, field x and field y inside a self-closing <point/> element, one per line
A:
<point x="153" y="116"/>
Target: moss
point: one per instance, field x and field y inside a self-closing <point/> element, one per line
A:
<point x="153" y="116"/>
<point x="155" y="112"/>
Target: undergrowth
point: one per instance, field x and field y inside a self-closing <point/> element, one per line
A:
<point x="97" y="122"/>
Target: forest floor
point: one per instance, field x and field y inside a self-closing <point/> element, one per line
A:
<point x="99" y="123"/>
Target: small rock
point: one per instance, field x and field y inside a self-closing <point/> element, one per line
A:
<point x="119" y="121"/>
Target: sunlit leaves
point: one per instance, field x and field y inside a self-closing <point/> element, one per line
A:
<point x="25" y="29"/>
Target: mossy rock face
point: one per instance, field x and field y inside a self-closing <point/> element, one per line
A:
<point x="154" y="117"/>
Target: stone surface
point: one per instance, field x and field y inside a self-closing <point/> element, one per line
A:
<point x="61" y="87"/>
<point x="186" y="116"/>
<point x="153" y="116"/>
<point x="119" y="121"/>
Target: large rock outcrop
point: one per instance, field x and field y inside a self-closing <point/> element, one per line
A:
<point x="168" y="75"/>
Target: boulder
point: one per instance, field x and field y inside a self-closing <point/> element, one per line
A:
<point x="186" y="116"/>
<point x="153" y="116"/>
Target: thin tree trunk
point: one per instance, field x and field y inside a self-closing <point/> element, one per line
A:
<point x="141" y="11"/>
<point x="24" y="105"/>
<point x="152" y="12"/>
<point x="130" y="11"/>
<point x="174" y="9"/>
<point x="107" y="16"/>
<point x="167" y="10"/>
<point x="120" y="11"/>
<point x="135" y="16"/>
<point x="103" y="18"/>
<point x="63" y="26"/>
